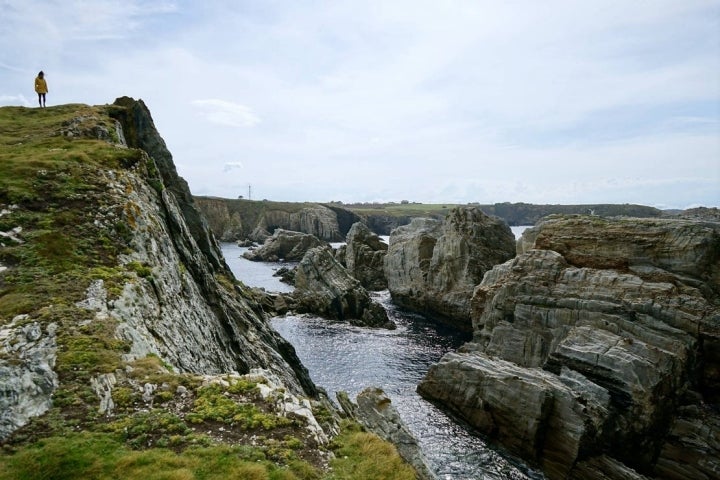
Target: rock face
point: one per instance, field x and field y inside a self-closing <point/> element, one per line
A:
<point x="324" y="287"/>
<point x="184" y="315"/>
<point x="364" y="257"/>
<point x="374" y="410"/>
<point x="596" y="359"/>
<point x="284" y="244"/>
<point x="434" y="266"/>
<point x="236" y="219"/>
<point x="227" y="225"/>
<point x="27" y="384"/>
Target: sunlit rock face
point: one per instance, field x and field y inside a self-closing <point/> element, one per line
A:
<point x="433" y="266"/>
<point x="594" y="351"/>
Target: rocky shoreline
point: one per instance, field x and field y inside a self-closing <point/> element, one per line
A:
<point x="594" y="350"/>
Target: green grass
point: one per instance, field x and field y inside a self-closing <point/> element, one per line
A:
<point x="363" y="455"/>
<point x="100" y="456"/>
<point x="358" y="456"/>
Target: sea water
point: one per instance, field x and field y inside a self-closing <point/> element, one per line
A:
<point x="343" y="357"/>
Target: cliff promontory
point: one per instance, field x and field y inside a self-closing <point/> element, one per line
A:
<point x="595" y="350"/>
<point x="126" y="344"/>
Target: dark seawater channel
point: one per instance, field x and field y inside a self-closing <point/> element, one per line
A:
<point x="342" y="357"/>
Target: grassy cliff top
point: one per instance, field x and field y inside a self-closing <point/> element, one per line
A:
<point x="52" y="183"/>
<point x="64" y="225"/>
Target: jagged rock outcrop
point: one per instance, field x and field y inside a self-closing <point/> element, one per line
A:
<point x="180" y="312"/>
<point x="324" y="287"/>
<point x="596" y="359"/>
<point x="434" y="266"/>
<point x="686" y="249"/>
<point x="374" y="411"/>
<point x="364" y="257"/>
<point x="284" y="245"/>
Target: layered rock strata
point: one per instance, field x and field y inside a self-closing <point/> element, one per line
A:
<point x="433" y="266"/>
<point x="594" y="350"/>
<point x="181" y="312"/>
<point x="239" y="219"/>
<point x="324" y="287"/>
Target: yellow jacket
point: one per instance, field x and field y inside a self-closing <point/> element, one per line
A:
<point x="40" y="85"/>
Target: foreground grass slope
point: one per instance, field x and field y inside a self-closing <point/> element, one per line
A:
<point x="62" y="231"/>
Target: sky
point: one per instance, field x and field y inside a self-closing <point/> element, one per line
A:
<point x="434" y="101"/>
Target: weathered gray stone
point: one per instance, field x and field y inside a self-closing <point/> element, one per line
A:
<point x="605" y="468"/>
<point x="684" y="247"/>
<point x="433" y="266"/>
<point x="530" y="411"/>
<point x="323" y="287"/>
<point x="364" y="256"/>
<point x="284" y="245"/>
<point x="27" y="378"/>
<point x="182" y="313"/>
<point x="629" y="338"/>
<point x="692" y="446"/>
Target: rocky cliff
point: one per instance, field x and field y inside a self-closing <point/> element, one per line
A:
<point x="233" y="220"/>
<point x="594" y="351"/>
<point x="433" y="266"/>
<point x="121" y="327"/>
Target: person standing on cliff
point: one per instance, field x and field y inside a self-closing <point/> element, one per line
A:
<point x="41" y="88"/>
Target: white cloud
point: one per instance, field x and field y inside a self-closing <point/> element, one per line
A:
<point x="226" y="113"/>
<point x="558" y="101"/>
<point x="18" y="99"/>
<point x="232" y="166"/>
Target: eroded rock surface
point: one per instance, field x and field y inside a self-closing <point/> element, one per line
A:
<point x="286" y="245"/>
<point x="596" y="358"/>
<point x="364" y="256"/>
<point x="433" y="266"/>
<point x="27" y="376"/>
<point x="324" y="287"/>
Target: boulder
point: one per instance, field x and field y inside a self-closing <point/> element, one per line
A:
<point x="433" y="266"/>
<point x="284" y="245"/>
<point x="324" y="287"/>
<point x="587" y="359"/>
<point x="364" y="257"/>
<point x="531" y="412"/>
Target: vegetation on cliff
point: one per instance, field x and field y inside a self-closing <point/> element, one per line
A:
<point x="64" y="229"/>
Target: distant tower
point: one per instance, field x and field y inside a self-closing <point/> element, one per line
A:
<point x="249" y="192"/>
